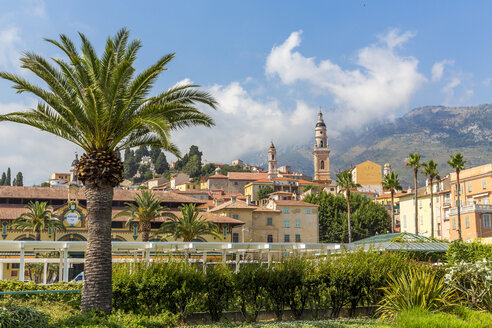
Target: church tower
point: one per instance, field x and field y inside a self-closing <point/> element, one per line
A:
<point x="272" y="162"/>
<point x="321" y="153"/>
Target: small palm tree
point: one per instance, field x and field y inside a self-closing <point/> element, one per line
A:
<point x="146" y="210"/>
<point x="101" y="104"/>
<point x="189" y="226"/>
<point x="391" y="182"/>
<point x="430" y="170"/>
<point x="345" y="183"/>
<point x="458" y="163"/>
<point x="414" y="163"/>
<point x="38" y="218"/>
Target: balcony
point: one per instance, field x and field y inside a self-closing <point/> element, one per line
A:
<point x="475" y="208"/>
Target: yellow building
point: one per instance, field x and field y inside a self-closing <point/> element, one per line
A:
<point x="252" y="188"/>
<point x="61" y="176"/>
<point x="385" y="201"/>
<point x="407" y="213"/>
<point x="187" y="186"/>
<point x="476" y="203"/>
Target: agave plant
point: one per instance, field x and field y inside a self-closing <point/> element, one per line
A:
<point x="416" y="289"/>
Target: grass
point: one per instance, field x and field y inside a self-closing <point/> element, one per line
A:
<point x="459" y="317"/>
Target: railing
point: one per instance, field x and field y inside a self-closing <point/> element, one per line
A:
<point x="471" y="209"/>
<point x="22" y="292"/>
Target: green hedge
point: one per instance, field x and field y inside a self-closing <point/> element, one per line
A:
<point x="297" y="283"/>
<point x="72" y="299"/>
<point x="473" y="252"/>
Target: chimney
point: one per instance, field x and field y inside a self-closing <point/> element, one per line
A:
<point x="233" y="198"/>
<point x="248" y="200"/>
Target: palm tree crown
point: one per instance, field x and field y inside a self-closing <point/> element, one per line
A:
<point x="391" y="182"/>
<point x="189" y="226"/>
<point x="457" y="162"/>
<point x="147" y="208"/>
<point x="38" y="218"/>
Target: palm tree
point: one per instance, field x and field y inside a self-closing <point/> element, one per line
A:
<point x="391" y="182"/>
<point x="102" y="106"/>
<point x="38" y="218"/>
<point x="458" y="163"/>
<point x="189" y="226"/>
<point x="414" y="163"/>
<point x="430" y="170"/>
<point x="345" y="183"/>
<point x="146" y="210"/>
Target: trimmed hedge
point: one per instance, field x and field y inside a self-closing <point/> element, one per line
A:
<point x="72" y="299"/>
<point x="473" y="252"/>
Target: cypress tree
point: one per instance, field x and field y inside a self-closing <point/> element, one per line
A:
<point x="19" y="179"/>
<point x="9" y="178"/>
<point x="3" y="180"/>
<point x="161" y="164"/>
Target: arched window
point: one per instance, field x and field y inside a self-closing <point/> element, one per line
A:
<point x="322" y="165"/>
<point x="321" y="143"/>
<point x="273" y="157"/>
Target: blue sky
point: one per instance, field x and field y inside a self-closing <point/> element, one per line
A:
<point x="271" y="64"/>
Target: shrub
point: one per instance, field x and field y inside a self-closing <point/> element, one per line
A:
<point x="22" y="317"/>
<point x="415" y="289"/>
<point x="473" y="282"/>
<point x="72" y="299"/>
<point x="218" y="286"/>
<point x="250" y="283"/>
<point x="473" y="252"/>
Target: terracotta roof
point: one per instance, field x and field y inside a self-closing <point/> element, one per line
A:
<point x="285" y="179"/>
<point x="247" y="176"/>
<point x="305" y="181"/>
<point x="388" y="195"/>
<point x="238" y="204"/>
<point x="192" y="192"/>
<point x="293" y="203"/>
<point x="217" y="176"/>
<point x="262" y="181"/>
<point x="62" y="193"/>
<point x="264" y="209"/>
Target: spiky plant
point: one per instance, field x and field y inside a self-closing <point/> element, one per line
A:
<point x="391" y="182"/>
<point x="38" y="218"/>
<point x="345" y="184"/>
<point x="102" y="106"/>
<point x="189" y="226"/>
<point x="430" y="170"/>
<point x="457" y="162"/>
<point x="145" y="209"/>
<point x="414" y="163"/>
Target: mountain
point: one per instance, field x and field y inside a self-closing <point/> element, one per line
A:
<point x="434" y="131"/>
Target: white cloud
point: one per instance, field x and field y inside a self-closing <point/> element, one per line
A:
<point x="9" y="40"/>
<point x="245" y="124"/>
<point x="438" y="69"/>
<point x="36" y="8"/>
<point x="382" y="85"/>
<point x="183" y="82"/>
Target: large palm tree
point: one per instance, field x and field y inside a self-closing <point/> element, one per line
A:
<point x="102" y="106"/>
<point x="430" y="170"/>
<point x="414" y="163"/>
<point x="39" y="217"/>
<point x="145" y="209"/>
<point x="345" y="183"/>
<point x="391" y="182"/>
<point x="458" y="163"/>
<point x="189" y="226"/>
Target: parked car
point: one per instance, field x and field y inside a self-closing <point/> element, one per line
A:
<point x="79" y="277"/>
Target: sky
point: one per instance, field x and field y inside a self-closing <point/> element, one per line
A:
<point x="271" y="65"/>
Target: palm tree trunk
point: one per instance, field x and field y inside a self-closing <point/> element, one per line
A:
<point x="432" y="208"/>
<point x="38" y="235"/>
<point x="97" y="290"/>
<point x="392" y="212"/>
<point x="416" y="207"/>
<point x="145" y="230"/>
<point x="459" y="205"/>
<point x="348" y="216"/>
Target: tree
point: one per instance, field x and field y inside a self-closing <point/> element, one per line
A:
<point x="430" y="170"/>
<point x="391" y="182"/>
<point x="38" y="218"/>
<point x="130" y="165"/>
<point x="161" y="165"/>
<point x="9" y="178"/>
<point x="101" y="105"/>
<point x="19" y="180"/>
<point x="45" y="184"/>
<point x="193" y="167"/>
<point x="189" y="226"/>
<point x="367" y="220"/>
<point x="264" y="192"/>
<point x="154" y="153"/>
<point x="145" y="209"/>
<point x="345" y="183"/>
<point x="458" y="164"/>
<point x="310" y="187"/>
<point x="414" y="163"/>
<point x="208" y="169"/>
<point x="3" y="179"/>
<point x="141" y="152"/>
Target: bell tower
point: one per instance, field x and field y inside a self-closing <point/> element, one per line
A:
<point x="272" y="162"/>
<point x="321" y="152"/>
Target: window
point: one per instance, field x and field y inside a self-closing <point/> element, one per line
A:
<point x="404" y="221"/>
<point x="235" y="216"/>
<point x="235" y="183"/>
<point x="484" y="184"/>
<point x="286" y="224"/>
<point x="486" y="221"/>
<point x="269" y="221"/>
<point x="298" y="223"/>
<point x="321" y="143"/>
<point x="286" y="210"/>
<point x="439" y="229"/>
<point x="308" y="211"/>
<point x="420" y="203"/>
<point x="15" y="265"/>
<point x="286" y="238"/>
<point x="453" y="223"/>
<point x="470" y="201"/>
<point x="421" y="220"/>
<point x="467" y="221"/>
<point x="298" y="238"/>
<point x="469" y="186"/>
<point x="437" y="199"/>
<point x="235" y="237"/>
<point x="269" y="238"/>
<point x="485" y="200"/>
<point x="322" y="165"/>
<point x="201" y="197"/>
